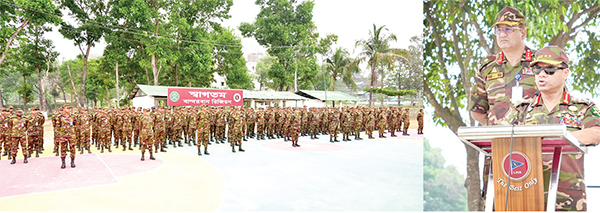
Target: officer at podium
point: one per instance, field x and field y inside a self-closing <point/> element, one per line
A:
<point x="554" y="105"/>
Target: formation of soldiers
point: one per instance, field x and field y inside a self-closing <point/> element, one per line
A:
<point x="156" y="128"/>
<point x="19" y="130"/>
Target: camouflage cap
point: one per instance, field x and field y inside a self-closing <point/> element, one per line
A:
<point x="553" y="55"/>
<point x="510" y="16"/>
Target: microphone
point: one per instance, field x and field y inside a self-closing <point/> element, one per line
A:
<point x="537" y="93"/>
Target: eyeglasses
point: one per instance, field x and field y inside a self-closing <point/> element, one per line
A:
<point x="549" y="70"/>
<point x="507" y="30"/>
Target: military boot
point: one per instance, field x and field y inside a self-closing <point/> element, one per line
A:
<point x="37" y="154"/>
<point x="81" y="151"/>
<point x="14" y="159"/>
<point x="102" y="151"/>
<point x="63" y="165"/>
<point x="156" y="148"/>
<point x="335" y="139"/>
<point x="89" y="151"/>
<point x="199" y="151"/>
<point x="73" y="162"/>
<point x="124" y="147"/>
<point x="180" y="144"/>
<point x="162" y="149"/>
<point x="174" y="144"/>
<point x="244" y="139"/>
<point x="29" y="154"/>
<point x="316" y="136"/>
<point x="240" y="149"/>
<point x="405" y="133"/>
<point x="130" y="147"/>
<point x="348" y="138"/>
<point x="312" y="137"/>
<point x="297" y="145"/>
<point x="109" y="149"/>
<point x="331" y="138"/>
<point x="142" y="157"/>
<point x="232" y="148"/>
<point x="25" y="160"/>
<point x="5" y="153"/>
<point x="152" y="156"/>
<point x="206" y="150"/>
<point x="358" y="138"/>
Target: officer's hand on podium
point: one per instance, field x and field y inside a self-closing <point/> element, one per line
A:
<point x="589" y="136"/>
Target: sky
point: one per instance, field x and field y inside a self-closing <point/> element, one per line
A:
<point x="350" y="20"/>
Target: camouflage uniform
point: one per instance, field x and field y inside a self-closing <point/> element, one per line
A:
<point x="260" y="124"/>
<point x="270" y="119"/>
<point x="68" y="136"/>
<point x="370" y="122"/>
<point x="347" y="124"/>
<point x="203" y="128"/>
<point x="85" y="122"/>
<point x="250" y="122"/>
<point x="334" y="122"/>
<point x="35" y="132"/>
<point x="420" y="122"/>
<point x="315" y="120"/>
<point x="160" y="135"/>
<point x="382" y="121"/>
<point x="103" y="121"/>
<point x="192" y="125"/>
<point x="18" y="126"/>
<point x="236" y="131"/>
<point x="220" y="127"/>
<point x="577" y="114"/>
<point x="406" y="118"/>
<point x="146" y="133"/>
<point x="295" y="125"/>
<point x="55" y="117"/>
<point x="4" y="131"/>
<point x="392" y="121"/>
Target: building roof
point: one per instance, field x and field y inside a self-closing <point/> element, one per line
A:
<point x="161" y="92"/>
<point x="146" y="90"/>
<point x="271" y="95"/>
<point x="328" y="95"/>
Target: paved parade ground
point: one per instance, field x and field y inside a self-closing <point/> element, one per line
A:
<point x="369" y="175"/>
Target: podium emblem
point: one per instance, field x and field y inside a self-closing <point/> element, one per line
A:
<point x="519" y="164"/>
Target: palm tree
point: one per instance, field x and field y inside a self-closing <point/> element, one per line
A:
<point x="340" y="65"/>
<point x="377" y="51"/>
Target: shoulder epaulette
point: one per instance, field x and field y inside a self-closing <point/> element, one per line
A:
<point x="586" y="101"/>
<point x="486" y="62"/>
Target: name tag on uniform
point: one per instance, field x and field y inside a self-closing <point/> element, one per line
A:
<point x="517" y="94"/>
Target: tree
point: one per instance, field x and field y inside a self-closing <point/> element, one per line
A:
<point x="24" y="12"/>
<point x="90" y="15"/>
<point x="377" y="52"/>
<point x="286" y="29"/>
<point x="410" y="76"/>
<point x="455" y="41"/>
<point x="40" y="55"/>
<point x="442" y="185"/>
<point x="341" y="66"/>
<point x="262" y="69"/>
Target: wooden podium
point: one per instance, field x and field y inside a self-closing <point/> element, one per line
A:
<point x="526" y="183"/>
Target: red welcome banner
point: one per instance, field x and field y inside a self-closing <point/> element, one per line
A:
<point x="197" y="97"/>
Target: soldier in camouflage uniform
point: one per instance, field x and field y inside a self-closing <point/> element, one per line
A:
<point x="503" y="72"/>
<point x="406" y="119"/>
<point x="382" y="121"/>
<point x="420" y="122"/>
<point x="556" y="106"/>
<point x="334" y="122"/>
<point x="127" y="130"/>
<point x="146" y="133"/>
<point x="236" y="131"/>
<point x="35" y="131"/>
<point x="370" y="122"/>
<point x="85" y="121"/>
<point x="260" y="124"/>
<point x="250" y="123"/>
<point x="67" y="123"/>
<point x="270" y="119"/>
<point x="295" y="125"/>
<point x="346" y="124"/>
<point x="103" y="121"/>
<point x="160" y="123"/>
<point x="4" y="131"/>
<point x="203" y="129"/>
<point x="314" y="119"/>
<point x="192" y="125"/>
<point x="55" y="117"/>
<point x="220" y="126"/>
<point x="18" y="126"/>
<point x="500" y="74"/>
<point x="392" y="118"/>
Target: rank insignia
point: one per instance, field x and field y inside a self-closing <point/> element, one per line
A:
<point x="496" y="75"/>
<point x="528" y="55"/>
<point x="531" y="123"/>
<point x="500" y="58"/>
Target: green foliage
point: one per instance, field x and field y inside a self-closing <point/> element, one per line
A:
<point x="341" y="66"/>
<point x="286" y="29"/>
<point x="442" y="185"/>
<point x="391" y="92"/>
<point x="25" y="92"/>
